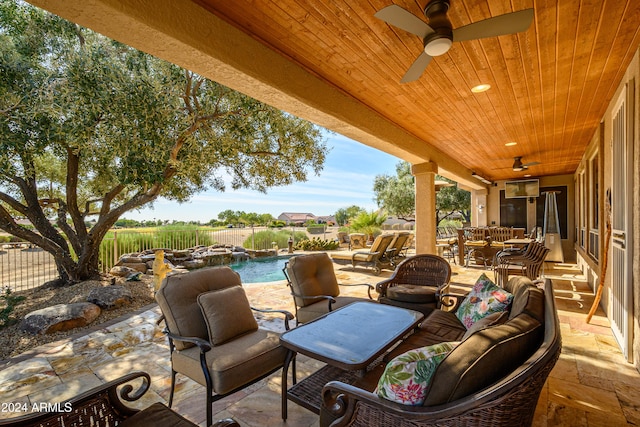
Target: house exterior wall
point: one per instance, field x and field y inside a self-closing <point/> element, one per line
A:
<point x="601" y="143"/>
<point x="493" y="208"/>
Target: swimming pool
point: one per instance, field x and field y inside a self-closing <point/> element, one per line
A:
<point x="261" y="269"/>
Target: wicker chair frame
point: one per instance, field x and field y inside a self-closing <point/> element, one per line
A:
<point x="101" y="406"/>
<point x="420" y="270"/>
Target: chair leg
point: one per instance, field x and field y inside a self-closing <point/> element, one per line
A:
<point x="173" y="386"/>
<point x="209" y="406"/>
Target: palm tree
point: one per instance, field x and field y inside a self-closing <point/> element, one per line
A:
<point x="368" y="223"/>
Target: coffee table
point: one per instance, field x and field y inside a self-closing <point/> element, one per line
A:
<point x="347" y="340"/>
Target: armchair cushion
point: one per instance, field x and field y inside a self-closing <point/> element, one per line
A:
<point x="407" y="377"/>
<point x="312" y="275"/>
<point x="485" y="298"/>
<point x="227" y="313"/>
<point x="412" y="293"/>
<point x="177" y="298"/>
<point x="234" y="363"/>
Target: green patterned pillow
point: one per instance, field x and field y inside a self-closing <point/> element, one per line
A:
<point x="407" y="377"/>
<point x="485" y="298"/>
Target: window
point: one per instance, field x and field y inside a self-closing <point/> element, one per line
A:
<point x="594" y="206"/>
<point x="513" y="212"/>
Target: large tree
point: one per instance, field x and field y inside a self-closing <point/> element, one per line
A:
<point x="90" y="127"/>
<point x="396" y="194"/>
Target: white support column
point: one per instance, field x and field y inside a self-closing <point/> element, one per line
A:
<point x="425" y="231"/>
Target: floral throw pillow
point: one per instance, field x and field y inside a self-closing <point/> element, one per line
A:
<point x="485" y="298"/>
<point x="407" y="377"/>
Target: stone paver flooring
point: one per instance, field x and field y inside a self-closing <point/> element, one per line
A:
<point x="591" y="385"/>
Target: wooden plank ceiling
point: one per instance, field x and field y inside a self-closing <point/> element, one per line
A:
<point x="550" y="85"/>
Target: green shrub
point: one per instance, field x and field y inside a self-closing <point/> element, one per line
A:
<point x="264" y="239"/>
<point x="170" y="236"/>
<point x="5" y="239"/>
<point x="10" y="302"/>
<point x="315" y="228"/>
<point x="317" y="244"/>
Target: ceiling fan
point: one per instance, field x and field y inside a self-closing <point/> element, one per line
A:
<point x="518" y="166"/>
<point x="437" y="35"/>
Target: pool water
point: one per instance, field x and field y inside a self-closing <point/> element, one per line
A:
<point x="261" y="269"/>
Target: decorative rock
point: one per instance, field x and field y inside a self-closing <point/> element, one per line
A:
<point x="110" y="297"/>
<point x="181" y="254"/>
<point x="137" y="266"/>
<point x="61" y="317"/>
<point x="192" y="265"/>
<point x="121" y="271"/>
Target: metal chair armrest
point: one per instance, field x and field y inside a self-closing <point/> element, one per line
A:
<point x="202" y="344"/>
<point x="369" y="287"/>
<point x="287" y="315"/>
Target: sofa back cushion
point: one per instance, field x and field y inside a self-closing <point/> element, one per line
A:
<point x="527" y="298"/>
<point x="312" y="275"/>
<point x="178" y="300"/>
<point x="484" y="358"/>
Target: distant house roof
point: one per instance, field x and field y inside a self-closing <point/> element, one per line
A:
<point x="296" y="216"/>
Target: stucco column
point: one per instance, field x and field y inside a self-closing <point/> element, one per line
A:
<point x="479" y="208"/>
<point x="425" y="231"/>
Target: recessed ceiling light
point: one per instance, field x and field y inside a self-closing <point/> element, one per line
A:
<point x="510" y="144"/>
<point x="480" y="88"/>
<point x="527" y="175"/>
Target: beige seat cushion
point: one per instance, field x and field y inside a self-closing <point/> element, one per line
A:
<point x="412" y="293"/>
<point x="234" y="363"/>
<point x="227" y="313"/>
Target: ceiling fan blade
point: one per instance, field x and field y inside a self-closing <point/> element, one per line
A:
<point x="531" y="164"/>
<point x="508" y="23"/>
<point x="405" y="20"/>
<point x="417" y="68"/>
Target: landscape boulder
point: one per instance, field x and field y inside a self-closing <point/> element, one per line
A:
<point x="60" y="317"/>
<point x="110" y="297"/>
<point x="122" y="271"/>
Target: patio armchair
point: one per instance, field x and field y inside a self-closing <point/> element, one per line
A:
<point x="529" y="263"/>
<point x="104" y="405"/>
<point x="375" y="257"/>
<point x="213" y="337"/>
<point x="418" y="283"/>
<point x="314" y="286"/>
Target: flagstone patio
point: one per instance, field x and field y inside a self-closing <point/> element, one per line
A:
<point x="591" y="385"/>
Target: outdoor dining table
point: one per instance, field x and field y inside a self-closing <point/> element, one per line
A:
<point x="347" y="339"/>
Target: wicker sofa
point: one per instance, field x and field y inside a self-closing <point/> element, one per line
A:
<point x="103" y="406"/>
<point x="492" y="378"/>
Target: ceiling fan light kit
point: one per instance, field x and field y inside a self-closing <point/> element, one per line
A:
<point x="437" y="46"/>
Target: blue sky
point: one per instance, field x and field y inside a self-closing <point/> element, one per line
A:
<point x="347" y="179"/>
